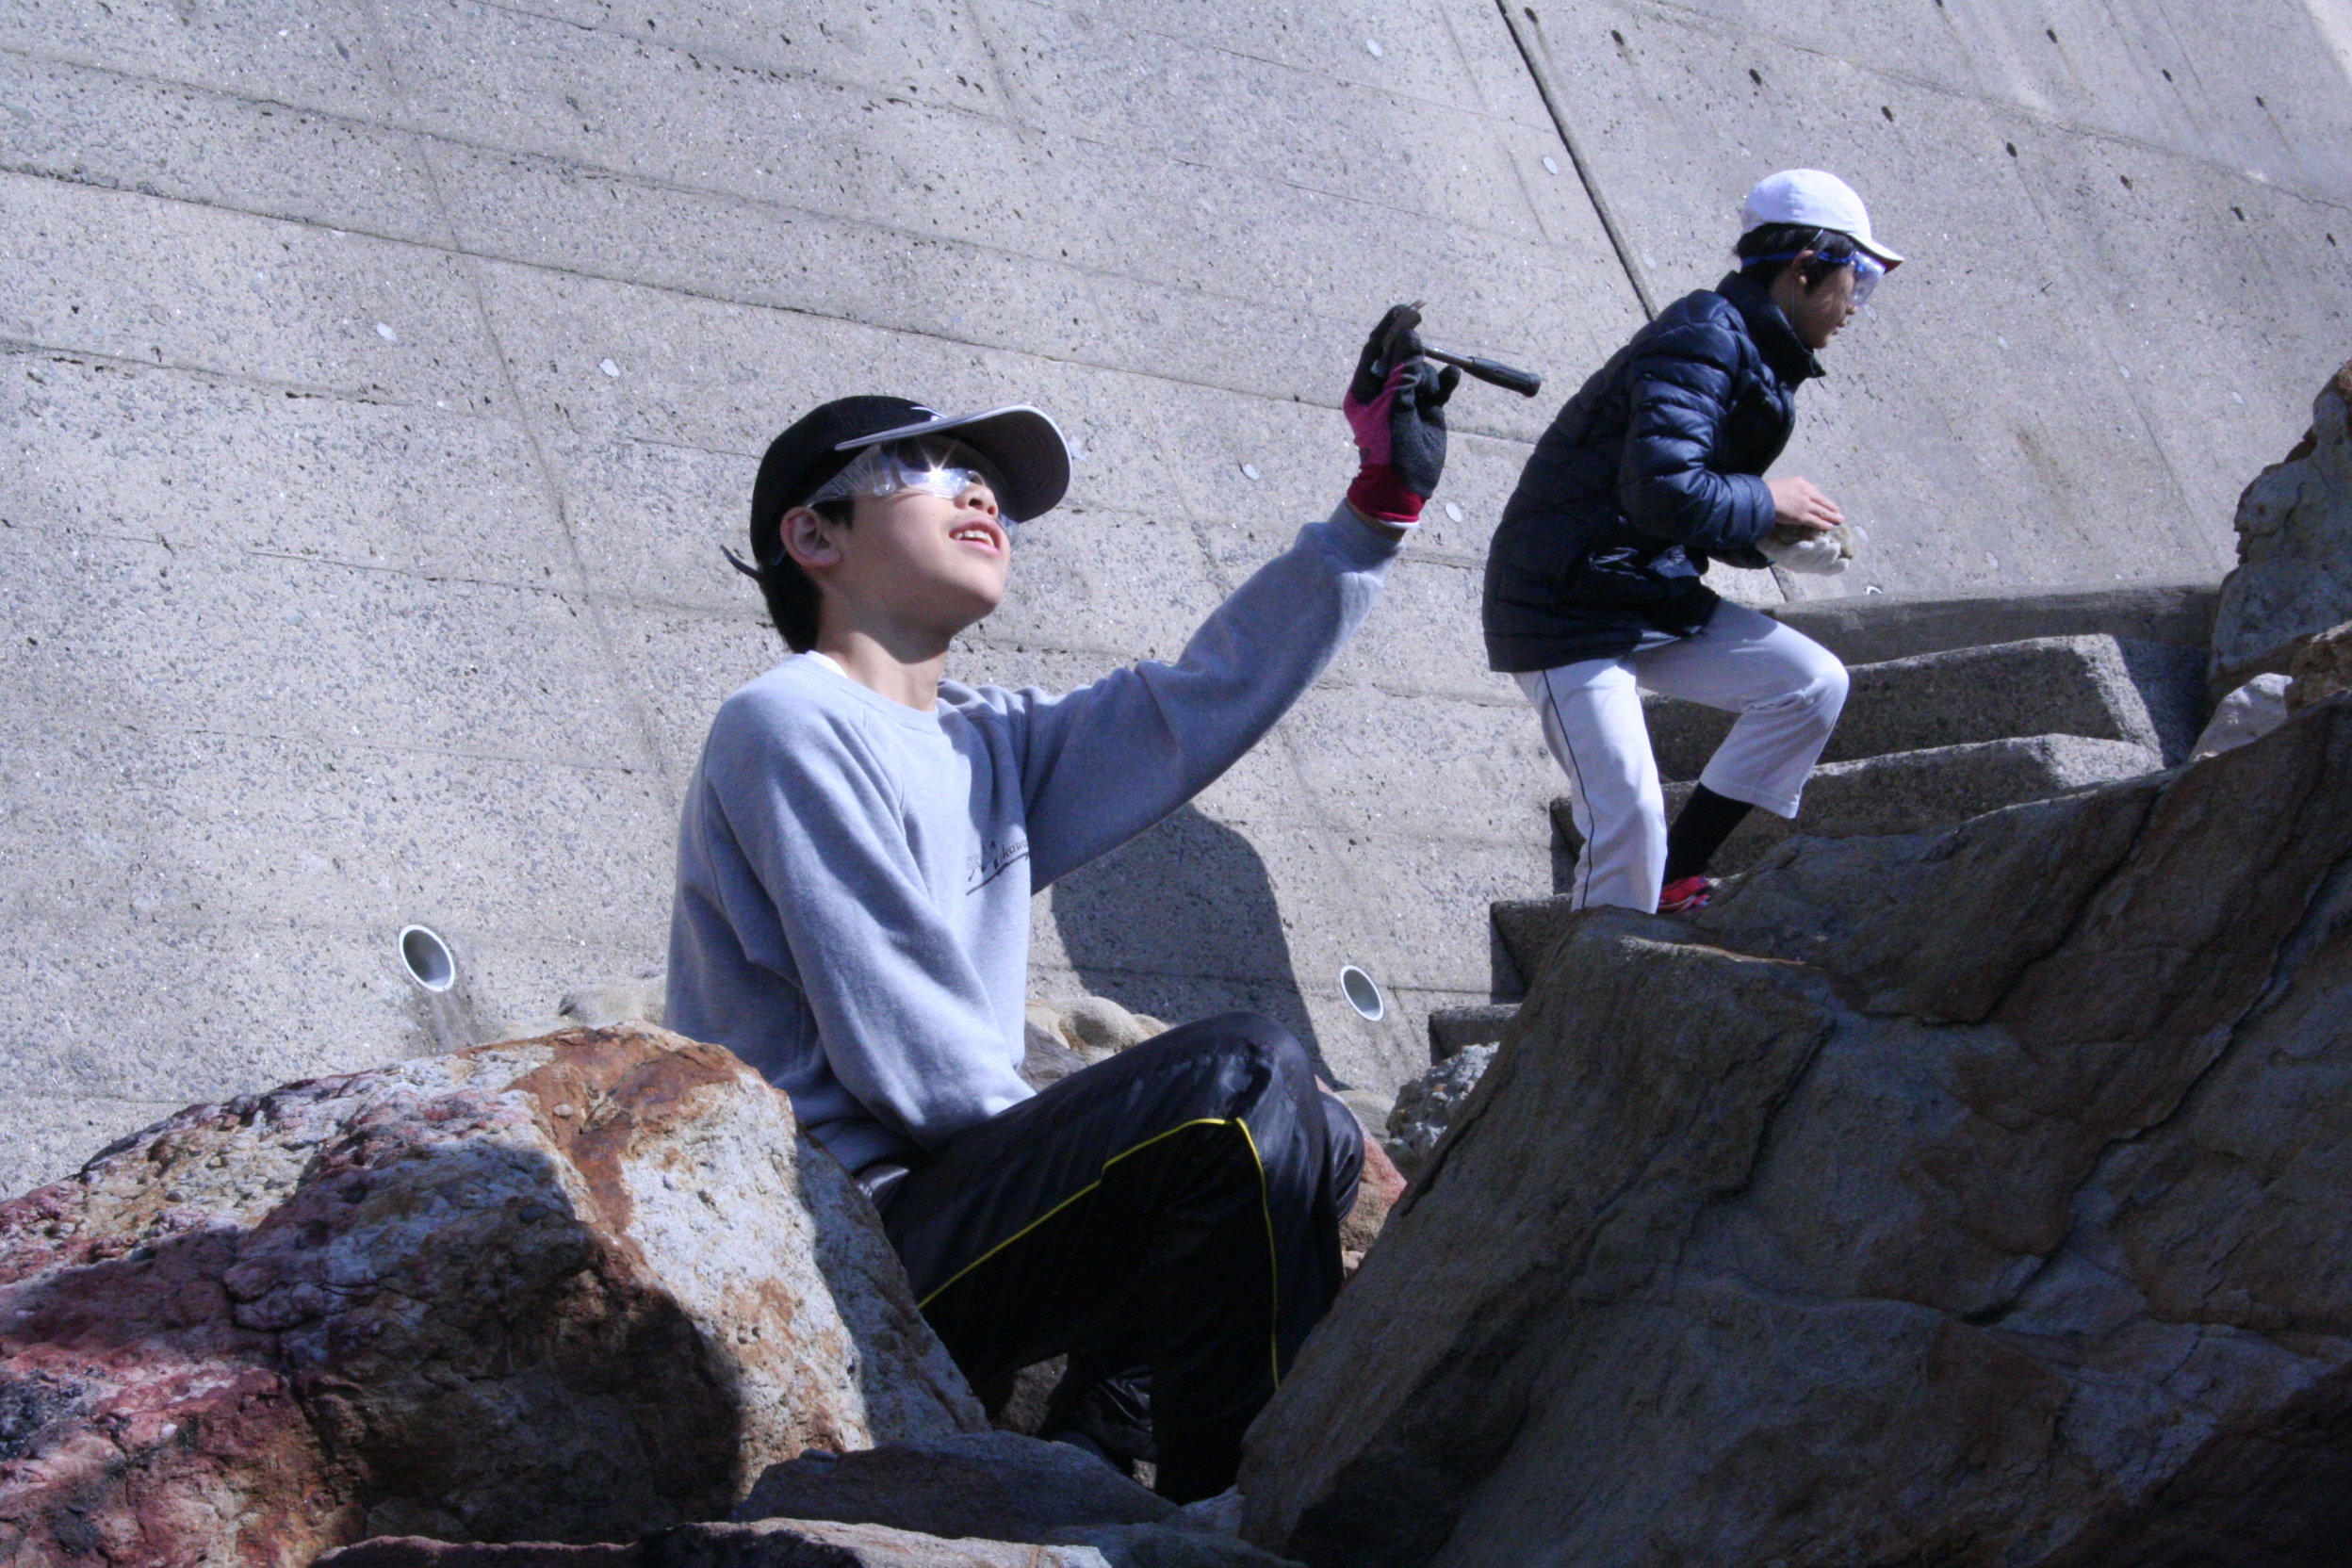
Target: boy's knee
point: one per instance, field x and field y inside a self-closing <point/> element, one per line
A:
<point x="1242" y="1039"/>
<point x="1821" y="692"/>
<point x="1833" y="681"/>
<point x="1255" y="1036"/>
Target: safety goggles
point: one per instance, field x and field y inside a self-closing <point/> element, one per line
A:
<point x="1867" y="269"/>
<point x="936" y="466"/>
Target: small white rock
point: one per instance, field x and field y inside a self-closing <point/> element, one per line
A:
<point x="1372" y="47"/>
<point x="1248" y="471"/>
<point x="2248" y="713"/>
<point x="383" y="330"/>
<point x="607" y="368"/>
<point x="1453" y="512"/>
<point x="1550" y="166"/>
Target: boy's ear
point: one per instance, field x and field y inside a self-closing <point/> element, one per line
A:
<point x="808" y="539"/>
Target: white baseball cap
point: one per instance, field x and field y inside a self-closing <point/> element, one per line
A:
<point x="1816" y="200"/>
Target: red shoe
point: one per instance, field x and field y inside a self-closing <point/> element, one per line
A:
<point x="1687" y="896"/>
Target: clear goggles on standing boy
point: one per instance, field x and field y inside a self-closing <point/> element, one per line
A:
<point x="1867" y="269"/>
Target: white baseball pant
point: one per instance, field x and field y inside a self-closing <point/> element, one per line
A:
<point x="1786" y="689"/>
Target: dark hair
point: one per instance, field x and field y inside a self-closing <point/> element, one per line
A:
<point x="792" y="594"/>
<point x="1767" y="252"/>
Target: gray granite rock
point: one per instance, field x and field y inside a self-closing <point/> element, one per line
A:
<point x="1170" y="1547"/>
<point x="1451" y="1028"/>
<point x="1972" y="1196"/>
<point x="821" y="1543"/>
<point x="1426" y="1106"/>
<point x="2293" y="577"/>
<point x="769" y="1543"/>
<point x="999" y="1486"/>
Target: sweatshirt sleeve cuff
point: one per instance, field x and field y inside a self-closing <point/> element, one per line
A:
<point x="1358" y="542"/>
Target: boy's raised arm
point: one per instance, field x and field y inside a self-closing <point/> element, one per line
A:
<point x="1104" y="762"/>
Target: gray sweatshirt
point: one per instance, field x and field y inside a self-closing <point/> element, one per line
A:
<point x="853" y="876"/>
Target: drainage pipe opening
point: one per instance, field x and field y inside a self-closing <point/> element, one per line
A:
<point x="426" y="959"/>
<point x="1362" y="994"/>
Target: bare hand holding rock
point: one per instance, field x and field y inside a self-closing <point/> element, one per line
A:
<point x="1800" y="508"/>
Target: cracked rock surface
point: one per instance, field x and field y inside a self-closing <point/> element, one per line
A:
<point x="1967" y="1197"/>
<point x="2295" y="527"/>
<point x="573" y="1288"/>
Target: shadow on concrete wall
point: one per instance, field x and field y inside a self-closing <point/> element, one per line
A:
<point x="1182" y="923"/>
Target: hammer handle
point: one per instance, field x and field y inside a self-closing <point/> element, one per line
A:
<point x="1526" y="383"/>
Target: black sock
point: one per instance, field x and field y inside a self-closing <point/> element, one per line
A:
<point x="1705" y="820"/>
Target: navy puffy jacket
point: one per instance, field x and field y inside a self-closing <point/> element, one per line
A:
<point x="1650" y="471"/>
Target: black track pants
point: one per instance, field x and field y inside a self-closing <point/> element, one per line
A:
<point x="1176" y="1206"/>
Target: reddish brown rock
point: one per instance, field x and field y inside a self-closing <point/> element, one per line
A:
<point x="1376" y="1194"/>
<point x="570" y="1289"/>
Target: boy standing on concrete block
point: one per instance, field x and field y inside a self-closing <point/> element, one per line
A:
<point x="1653" y="468"/>
<point x="859" y="844"/>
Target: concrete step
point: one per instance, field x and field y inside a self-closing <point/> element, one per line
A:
<point x="1907" y="792"/>
<point x="2149" y="695"/>
<point x="1528" y="926"/>
<point x="1452" y="1028"/>
<point x="1863" y="628"/>
<point x="1933" y="787"/>
<point x="1912" y="791"/>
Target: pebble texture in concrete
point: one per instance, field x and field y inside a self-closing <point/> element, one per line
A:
<point x="379" y="379"/>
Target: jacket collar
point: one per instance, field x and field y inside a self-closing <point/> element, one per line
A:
<point x="1782" y="350"/>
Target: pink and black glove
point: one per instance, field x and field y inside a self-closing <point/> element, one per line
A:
<point x="1397" y="406"/>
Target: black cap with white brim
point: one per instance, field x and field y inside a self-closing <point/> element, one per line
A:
<point x="1020" y="442"/>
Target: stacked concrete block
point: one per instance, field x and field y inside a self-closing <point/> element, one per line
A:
<point x="2081" y="686"/>
<point x="1941" y="737"/>
<point x="1929" y="740"/>
<point x="1932" y="787"/>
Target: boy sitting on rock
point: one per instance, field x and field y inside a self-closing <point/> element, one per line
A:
<point x="859" y="844"/>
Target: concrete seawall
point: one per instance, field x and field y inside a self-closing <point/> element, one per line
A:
<point x="379" y="379"/>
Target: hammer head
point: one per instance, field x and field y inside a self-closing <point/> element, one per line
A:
<point x="1407" y="321"/>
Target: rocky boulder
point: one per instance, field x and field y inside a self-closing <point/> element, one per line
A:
<point x="999" y="1486"/>
<point x="770" y="1543"/>
<point x="571" y="1289"/>
<point x="1967" y="1197"/>
<point x="2319" y="669"/>
<point x="2293" y="577"/>
<point x="1426" y="1106"/>
<point x="820" y="1543"/>
<point x="976" y="1500"/>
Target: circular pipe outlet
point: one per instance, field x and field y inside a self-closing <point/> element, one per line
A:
<point x="426" y="959"/>
<point x="1362" y="994"/>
